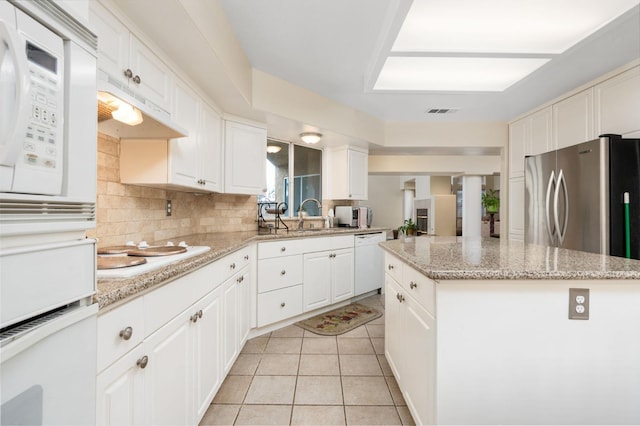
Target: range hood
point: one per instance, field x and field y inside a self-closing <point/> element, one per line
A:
<point x="156" y="123"/>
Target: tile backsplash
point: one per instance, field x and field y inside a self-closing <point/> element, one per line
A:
<point x="136" y="213"/>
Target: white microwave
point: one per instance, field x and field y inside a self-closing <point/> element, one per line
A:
<point x="48" y="125"/>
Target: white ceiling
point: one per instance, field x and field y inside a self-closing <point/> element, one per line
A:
<point x="333" y="47"/>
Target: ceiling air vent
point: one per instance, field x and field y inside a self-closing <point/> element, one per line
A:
<point x="442" y="110"/>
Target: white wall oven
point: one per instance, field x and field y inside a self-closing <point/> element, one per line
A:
<point x="47" y="202"/>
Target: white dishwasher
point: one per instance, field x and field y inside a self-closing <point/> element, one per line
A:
<point x="369" y="270"/>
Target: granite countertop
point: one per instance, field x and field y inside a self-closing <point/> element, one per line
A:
<point x="115" y="290"/>
<point x="459" y="258"/>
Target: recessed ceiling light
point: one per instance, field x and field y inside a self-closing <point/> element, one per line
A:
<point x="504" y="26"/>
<point x="454" y="74"/>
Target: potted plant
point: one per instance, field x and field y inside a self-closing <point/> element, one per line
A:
<point x="491" y="201"/>
<point x="408" y="227"/>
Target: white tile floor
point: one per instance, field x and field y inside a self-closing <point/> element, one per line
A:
<point x="294" y="377"/>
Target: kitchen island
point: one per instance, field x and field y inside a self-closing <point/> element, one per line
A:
<point x="478" y="332"/>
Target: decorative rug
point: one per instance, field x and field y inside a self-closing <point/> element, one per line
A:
<point x="340" y="320"/>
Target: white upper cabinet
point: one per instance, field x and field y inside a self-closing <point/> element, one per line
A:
<point x="617" y="104"/>
<point x="193" y="162"/>
<point x="518" y="137"/>
<point x="540" y="132"/>
<point x="245" y="158"/>
<point x="130" y="64"/>
<point x="573" y="120"/>
<point x="347" y="174"/>
<point x="196" y="160"/>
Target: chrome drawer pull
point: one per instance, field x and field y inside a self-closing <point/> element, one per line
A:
<point x="233" y="265"/>
<point x="126" y="333"/>
<point x="413" y="285"/>
<point x="246" y="257"/>
<point x="283" y="249"/>
<point x="282" y="305"/>
<point x="142" y="362"/>
<point x="283" y="272"/>
<point x="390" y="267"/>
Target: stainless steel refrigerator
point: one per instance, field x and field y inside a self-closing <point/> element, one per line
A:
<point x="575" y="197"/>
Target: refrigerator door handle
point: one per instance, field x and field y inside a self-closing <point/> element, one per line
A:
<point x="561" y="231"/>
<point x="551" y="185"/>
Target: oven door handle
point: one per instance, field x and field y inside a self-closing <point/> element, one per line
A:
<point x="17" y="102"/>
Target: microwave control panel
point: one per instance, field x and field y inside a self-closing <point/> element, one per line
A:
<point x="42" y="147"/>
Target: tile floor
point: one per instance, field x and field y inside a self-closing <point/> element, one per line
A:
<point x="294" y="377"/>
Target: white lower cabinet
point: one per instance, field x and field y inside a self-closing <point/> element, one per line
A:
<point x="328" y="278"/>
<point x="173" y="373"/>
<point x="207" y="376"/>
<point x="410" y="343"/>
<point x="120" y="391"/>
<point x="168" y="373"/>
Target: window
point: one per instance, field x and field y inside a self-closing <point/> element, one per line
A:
<point x="285" y="159"/>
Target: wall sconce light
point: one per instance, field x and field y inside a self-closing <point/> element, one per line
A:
<point x="310" y="137"/>
<point x="272" y="149"/>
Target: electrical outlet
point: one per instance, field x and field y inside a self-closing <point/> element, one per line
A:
<point x="169" y="208"/>
<point x="579" y="303"/>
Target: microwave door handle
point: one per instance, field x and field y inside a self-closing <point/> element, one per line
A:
<point x="551" y="230"/>
<point x="18" y="101"/>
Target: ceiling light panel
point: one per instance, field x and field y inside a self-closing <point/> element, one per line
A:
<point x="454" y="74"/>
<point x="504" y="26"/>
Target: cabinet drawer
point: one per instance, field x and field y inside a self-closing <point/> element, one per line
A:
<point x="279" y="272"/>
<point x="393" y="267"/>
<point x="167" y="302"/>
<point x="282" y="248"/>
<point x="421" y="288"/>
<point x="119" y="331"/>
<point x="342" y="241"/>
<point x="280" y="304"/>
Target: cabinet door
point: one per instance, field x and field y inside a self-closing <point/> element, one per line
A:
<point x="156" y="80"/>
<point x="113" y="42"/>
<point x="342" y="279"/>
<point x="244" y="305"/>
<point x="419" y="351"/>
<point x="210" y="149"/>
<point x="120" y="392"/>
<point x="207" y="341"/>
<point x="516" y="209"/>
<point x="317" y="280"/>
<point x="617" y="103"/>
<point x="229" y="324"/>
<point x="183" y="152"/>
<point x="392" y="330"/>
<point x="518" y="139"/>
<point x="245" y="159"/>
<point x="573" y="120"/>
<point x="358" y="175"/>
<point x="168" y="381"/>
<point x="540" y="132"/>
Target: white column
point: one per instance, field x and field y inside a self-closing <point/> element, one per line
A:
<point x="409" y="195"/>
<point x="471" y="206"/>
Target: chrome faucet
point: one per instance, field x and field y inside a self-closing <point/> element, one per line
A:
<point x="300" y="219"/>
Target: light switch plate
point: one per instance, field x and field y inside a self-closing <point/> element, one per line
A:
<point x="579" y="303"/>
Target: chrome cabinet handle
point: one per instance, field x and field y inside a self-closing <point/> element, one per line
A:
<point x="283" y="249"/>
<point x="413" y="285"/>
<point x="390" y="267"/>
<point x="282" y="305"/>
<point x="283" y="272"/>
<point x="136" y="79"/>
<point x="126" y="333"/>
<point x="240" y="279"/>
<point x="233" y="266"/>
<point x="551" y="230"/>
<point x="246" y="257"/>
<point x="128" y="73"/>
<point x="400" y="297"/>
<point x="200" y="313"/>
<point x="142" y="362"/>
<point x="194" y="318"/>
